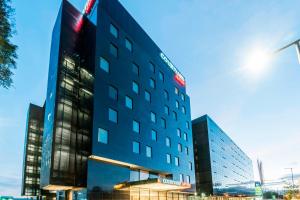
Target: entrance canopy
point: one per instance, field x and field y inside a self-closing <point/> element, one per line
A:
<point x="157" y="184"/>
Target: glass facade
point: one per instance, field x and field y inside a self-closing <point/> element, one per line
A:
<point x="69" y="103"/>
<point x="221" y="166"/>
<point x="33" y="151"/>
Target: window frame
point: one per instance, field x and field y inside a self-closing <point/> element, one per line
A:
<point x="99" y="133"/>
<point x="113" y="28"/>
<point x="130" y="100"/>
<point x="105" y="62"/>
<point x="128" y="41"/>
<point x="114" y="48"/>
<point x="112" y="111"/>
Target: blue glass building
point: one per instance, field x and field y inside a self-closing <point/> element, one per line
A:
<point x="117" y="121"/>
<point x="222" y="168"/>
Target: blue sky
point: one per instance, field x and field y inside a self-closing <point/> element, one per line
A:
<point x="209" y="41"/>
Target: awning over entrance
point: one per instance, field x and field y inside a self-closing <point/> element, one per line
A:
<point x="157" y="184"/>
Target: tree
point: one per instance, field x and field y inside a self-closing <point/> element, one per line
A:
<point x="8" y="54"/>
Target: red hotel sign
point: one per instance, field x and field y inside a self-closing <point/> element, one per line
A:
<point x="89" y="6"/>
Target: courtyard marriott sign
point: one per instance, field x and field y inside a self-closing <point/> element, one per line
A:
<point x="178" y="76"/>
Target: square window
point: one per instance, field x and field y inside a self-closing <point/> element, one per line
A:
<point x="168" y="142"/>
<point x="113" y="92"/>
<point x="152" y="83"/>
<point x="168" y="158"/>
<point x="114" y="31"/>
<point x="147" y="96"/>
<point x="148" y="151"/>
<point x="182" y="97"/>
<point x="102" y="136"/>
<point x="183" y="110"/>
<point x="177" y="104"/>
<point x="166" y="95"/>
<point x="151" y="67"/>
<point x="166" y="110"/>
<point x="185" y="136"/>
<point x="136" y="126"/>
<point x="175" y="115"/>
<point x="176" y="159"/>
<point x="136" y="147"/>
<point x="178" y="132"/>
<point x="128" y="102"/>
<point x="153" y="117"/>
<point x="104" y="65"/>
<point x="135" y="87"/>
<point x="112" y="115"/>
<point x="181" y="177"/>
<point x="191" y="166"/>
<point x="179" y="147"/>
<point x="153" y="135"/>
<point x="128" y="44"/>
<point x="176" y="91"/>
<point x="135" y="69"/>
<point x="188" y="179"/>
<point x="113" y="49"/>
<point x="161" y="76"/>
<point x="187" y="125"/>
<point x="163" y="123"/>
<point x="186" y="150"/>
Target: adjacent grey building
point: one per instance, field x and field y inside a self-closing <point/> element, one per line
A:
<point x="222" y="168"/>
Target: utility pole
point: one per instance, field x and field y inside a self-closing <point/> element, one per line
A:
<point x="293" y="183"/>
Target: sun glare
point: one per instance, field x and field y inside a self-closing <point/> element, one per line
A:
<point x="257" y="62"/>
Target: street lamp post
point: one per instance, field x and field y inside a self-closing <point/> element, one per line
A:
<point x="296" y="43"/>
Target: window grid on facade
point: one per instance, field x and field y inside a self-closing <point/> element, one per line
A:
<point x="188" y="179"/>
<point x="168" y="156"/>
<point x="179" y="147"/>
<point x="176" y="91"/>
<point x="128" y="102"/>
<point x="113" y="115"/>
<point x="152" y="83"/>
<point x="191" y="166"/>
<point x="178" y="132"/>
<point x="147" y="96"/>
<point x="104" y="64"/>
<point x="153" y="135"/>
<point x="136" y="147"/>
<point x="153" y="117"/>
<point x="114" y="30"/>
<point x="185" y="136"/>
<point x="168" y="142"/>
<point x="161" y="76"/>
<point x="151" y="67"/>
<point x="182" y="97"/>
<point x="163" y="123"/>
<point x="166" y="95"/>
<point x="113" y="92"/>
<point x="186" y="149"/>
<point x="183" y="110"/>
<point x="128" y="44"/>
<point x="113" y="50"/>
<point x="177" y="104"/>
<point x="102" y="136"/>
<point x="136" y="126"/>
<point x="135" y="87"/>
<point x="135" y="69"/>
<point x="176" y="161"/>
<point x="166" y="109"/>
<point x="175" y="115"/>
<point x="148" y="151"/>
